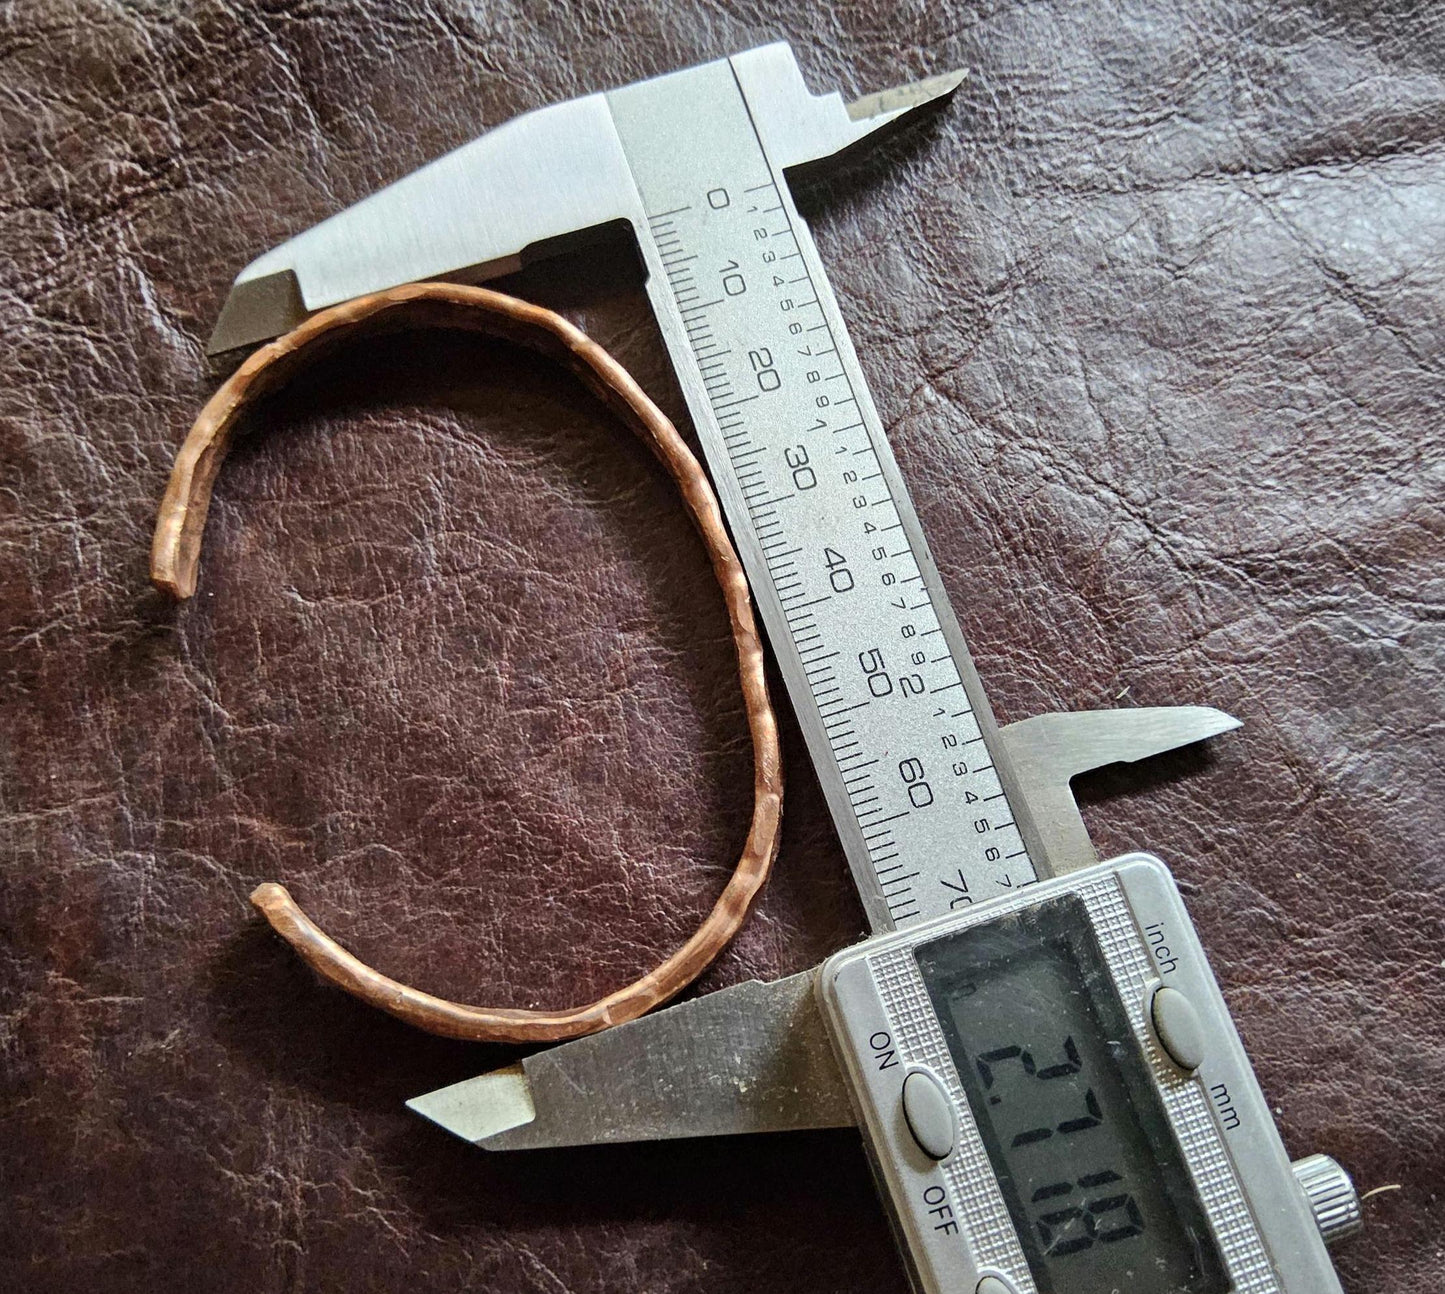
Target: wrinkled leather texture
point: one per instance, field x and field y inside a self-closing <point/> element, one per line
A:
<point x="1153" y="314"/>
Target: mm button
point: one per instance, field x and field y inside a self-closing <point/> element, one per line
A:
<point x="929" y="1113"/>
<point x="1179" y="1028"/>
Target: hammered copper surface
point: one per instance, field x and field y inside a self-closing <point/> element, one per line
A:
<point x="1153" y="314"/>
<point x="175" y="557"/>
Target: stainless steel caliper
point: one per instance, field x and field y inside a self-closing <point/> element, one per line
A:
<point x="1050" y="1088"/>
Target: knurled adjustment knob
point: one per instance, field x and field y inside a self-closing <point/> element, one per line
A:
<point x="1332" y="1196"/>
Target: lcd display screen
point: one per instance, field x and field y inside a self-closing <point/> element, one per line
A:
<point x="1067" y="1108"/>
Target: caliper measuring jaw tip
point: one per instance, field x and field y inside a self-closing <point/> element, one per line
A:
<point x="755" y="1057"/>
<point x="751" y="1058"/>
<point x="527" y="185"/>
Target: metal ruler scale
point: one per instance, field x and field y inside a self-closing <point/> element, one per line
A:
<point x="897" y="725"/>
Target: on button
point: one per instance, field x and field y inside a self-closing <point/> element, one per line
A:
<point x="929" y="1113"/>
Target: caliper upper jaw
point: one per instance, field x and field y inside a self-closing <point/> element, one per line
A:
<point x="798" y="127"/>
<point x="546" y="175"/>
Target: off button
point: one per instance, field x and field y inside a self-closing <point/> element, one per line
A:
<point x="930" y="1114"/>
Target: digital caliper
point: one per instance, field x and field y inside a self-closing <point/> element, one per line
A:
<point x="1052" y="1093"/>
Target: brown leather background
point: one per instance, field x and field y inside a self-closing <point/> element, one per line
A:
<point x="1154" y="316"/>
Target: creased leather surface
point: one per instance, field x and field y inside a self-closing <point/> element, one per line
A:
<point x="1153" y="315"/>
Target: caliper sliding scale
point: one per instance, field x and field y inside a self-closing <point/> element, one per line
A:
<point x="1052" y="1094"/>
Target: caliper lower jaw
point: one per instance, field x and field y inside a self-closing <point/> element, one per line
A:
<point x="1050" y="750"/>
<point x="756" y="1057"/>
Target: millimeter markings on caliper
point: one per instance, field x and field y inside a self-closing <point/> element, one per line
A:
<point x="898" y="729"/>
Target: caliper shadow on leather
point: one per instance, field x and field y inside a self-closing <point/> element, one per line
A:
<point x="759" y="1186"/>
<point x="1124" y="781"/>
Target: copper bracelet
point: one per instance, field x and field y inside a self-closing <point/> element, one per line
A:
<point x="175" y="554"/>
